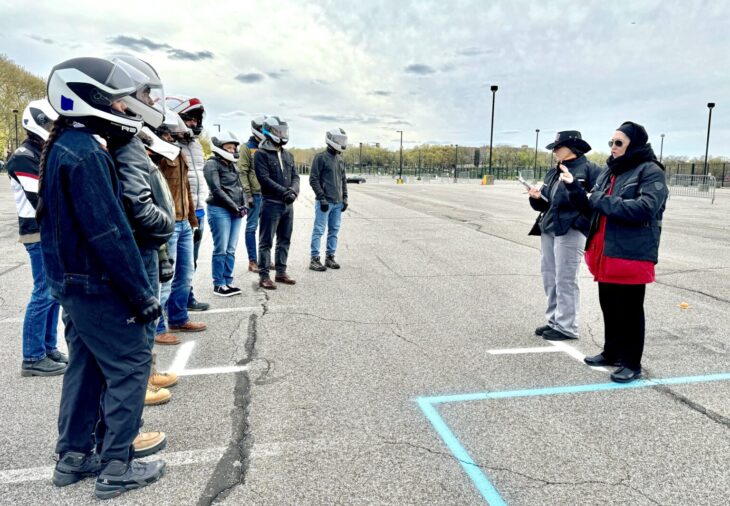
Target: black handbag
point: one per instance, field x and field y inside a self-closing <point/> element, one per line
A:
<point x="535" y="230"/>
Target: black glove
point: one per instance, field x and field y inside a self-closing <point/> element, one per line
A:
<point x="344" y="206"/>
<point x="324" y="206"/>
<point x="148" y="311"/>
<point x="290" y="196"/>
<point x="167" y="269"/>
<point x="197" y="234"/>
<point x="242" y="211"/>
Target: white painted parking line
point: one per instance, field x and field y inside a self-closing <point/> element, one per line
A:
<point x="230" y="310"/>
<point x="517" y="351"/>
<point x="562" y="346"/>
<point x="182" y="458"/>
<point x="181" y="357"/>
<point x="212" y="370"/>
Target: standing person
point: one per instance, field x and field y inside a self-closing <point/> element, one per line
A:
<point x="252" y="189"/>
<point x="329" y="182"/>
<point x="174" y="294"/>
<point x="40" y="352"/>
<point x="226" y="207"/>
<point x="279" y="180"/>
<point x="628" y="203"/>
<point x="93" y="267"/>
<point x="563" y="231"/>
<point x="192" y="112"/>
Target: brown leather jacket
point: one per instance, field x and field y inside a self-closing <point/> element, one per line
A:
<point x="176" y="175"/>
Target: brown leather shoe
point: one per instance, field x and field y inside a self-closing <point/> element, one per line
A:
<point x="167" y="339"/>
<point x="284" y="278"/>
<point x="267" y="284"/>
<point x="189" y="326"/>
<point x="252" y="266"/>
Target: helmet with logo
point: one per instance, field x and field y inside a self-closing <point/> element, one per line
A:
<point x="189" y="108"/>
<point x="38" y="118"/>
<point x="144" y="101"/>
<point x="219" y="140"/>
<point x="276" y="130"/>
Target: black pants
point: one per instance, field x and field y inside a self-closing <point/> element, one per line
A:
<point x="276" y="218"/>
<point x="623" y="320"/>
<point x="106" y="379"/>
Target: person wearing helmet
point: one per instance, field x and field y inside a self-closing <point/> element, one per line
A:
<point x="252" y="189"/>
<point x="94" y="268"/>
<point x="192" y="112"/>
<point x="174" y="294"/>
<point x="329" y="182"/>
<point x="40" y="352"/>
<point x="226" y="207"/>
<point x="279" y="180"/>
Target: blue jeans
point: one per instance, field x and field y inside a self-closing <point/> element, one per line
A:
<point x="252" y="222"/>
<point x="200" y="214"/>
<point x="332" y="219"/>
<point x="41" y="315"/>
<point x="225" y="228"/>
<point x="174" y="294"/>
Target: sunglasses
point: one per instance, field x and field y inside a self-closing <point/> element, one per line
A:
<point x="618" y="143"/>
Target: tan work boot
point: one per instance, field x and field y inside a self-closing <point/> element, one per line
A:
<point x="162" y="379"/>
<point x="156" y="395"/>
<point x="167" y="339"/>
<point x="147" y="443"/>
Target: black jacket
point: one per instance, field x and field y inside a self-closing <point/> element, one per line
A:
<point x="275" y="180"/>
<point x="145" y="194"/>
<point x="224" y="184"/>
<point x="327" y="178"/>
<point x="22" y="169"/>
<point x="633" y="211"/>
<point x="560" y="213"/>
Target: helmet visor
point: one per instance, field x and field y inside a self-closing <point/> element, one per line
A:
<point x="123" y="75"/>
<point x="281" y="131"/>
<point x="339" y="139"/>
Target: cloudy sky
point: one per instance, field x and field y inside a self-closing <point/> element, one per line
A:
<point x="425" y="67"/>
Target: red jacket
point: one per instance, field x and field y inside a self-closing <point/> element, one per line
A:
<point x="615" y="270"/>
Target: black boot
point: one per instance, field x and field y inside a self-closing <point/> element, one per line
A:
<point x="316" y="265"/>
<point x="330" y="262"/>
<point x="75" y="466"/>
<point x="119" y="477"/>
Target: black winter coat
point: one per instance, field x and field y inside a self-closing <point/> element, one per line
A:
<point x="328" y="178"/>
<point x="224" y="184"/>
<point x="274" y="178"/>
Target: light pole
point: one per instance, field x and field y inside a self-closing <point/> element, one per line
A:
<point x="360" y="162"/>
<point x="491" y="130"/>
<point x="710" y="106"/>
<point x="400" y="174"/>
<point x="217" y="125"/>
<point x="661" y="149"/>
<point x="456" y="161"/>
<point x="537" y="136"/>
<point x="15" y="111"/>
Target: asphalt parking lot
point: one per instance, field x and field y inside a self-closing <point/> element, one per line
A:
<point x="412" y="375"/>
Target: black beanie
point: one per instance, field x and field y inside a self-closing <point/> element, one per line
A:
<point x="635" y="132"/>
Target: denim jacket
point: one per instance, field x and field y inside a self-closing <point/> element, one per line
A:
<point x="88" y="247"/>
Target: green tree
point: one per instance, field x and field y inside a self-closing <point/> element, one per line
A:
<point x="17" y="88"/>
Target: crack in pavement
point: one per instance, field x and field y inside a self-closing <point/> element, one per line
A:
<point x="387" y="266"/>
<point x="334" y="319"/>
<point x="418" y="346"/>
<point x="11" y="269"/>
<point x="692" y="290"/>
<point x="231" y="469"/>
<point x="694" y="406"/>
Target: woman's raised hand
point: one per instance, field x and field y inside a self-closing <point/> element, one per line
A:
<point x="565" y="175"/>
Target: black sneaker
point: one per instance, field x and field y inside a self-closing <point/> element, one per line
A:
<point x="223" y="291"/>
<point x="75" y="466"/>
<point x="119" y="477"/>
<point x="198" y="306"/>
<point x="540" y="330"/>
<point x="316" y="265"/>
<point x="45" y="367"/>
<point x="234" y="290"/>
<point x="58" y="356"/>
<point x="330" y="263"/>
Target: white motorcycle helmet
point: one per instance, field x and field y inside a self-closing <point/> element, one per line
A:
<point x="188" y="108"/>
<point x="150" y="93"/>
<point x="38" y="118"/>
<point x="276" y="129"/>
<point x="157" y="145"/>
<point x="257" y="125"/>
<point x="337" y="139"/>
<point x="85" y="89"/>
<point x="220" y="139"/>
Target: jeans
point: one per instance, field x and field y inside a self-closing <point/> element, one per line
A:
<point x="332" y="219"/>
<point x="151" y="261"/>
<point x="41" y="314"/>
<point x="174" y="294"/>
<point x="225" y="228"/>
<point x="200" y="213"/>
<point x="560" y="258"/>
<point x="252" y="222"/>
<point x="276" y="218"/>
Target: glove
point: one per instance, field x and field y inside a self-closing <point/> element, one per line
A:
<point x="148" y="311"/>
<point x="167" y="269"/>
<point x="344" y="206"/>
<point x="324" y="206"/>
<point x="242" y="211"/>
<point x="290" y="196"/>
<point x="249" y="201"/>
<point x="197" y="234"/>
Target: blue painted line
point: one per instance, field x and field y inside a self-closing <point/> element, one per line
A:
<point x="480" y="480"/>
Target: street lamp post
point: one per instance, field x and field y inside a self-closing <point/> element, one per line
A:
<point x="710" y="106"/>
<point x="537" y="136"/>
<point x="400" y="174"/>
<point x="456" y="161"/>
<point x="661" y="149"/>
<point x="491" y="130"/>
<point x="217" y="125"/>
<point x="15" y="111"/>
<point x="360" y="159"/>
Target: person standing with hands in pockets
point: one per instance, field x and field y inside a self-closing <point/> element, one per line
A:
<point x="627" y="205"/>
<point x="563" y="230"/>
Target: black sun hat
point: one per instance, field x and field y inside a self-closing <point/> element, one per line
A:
<point x="570" y="139"/>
